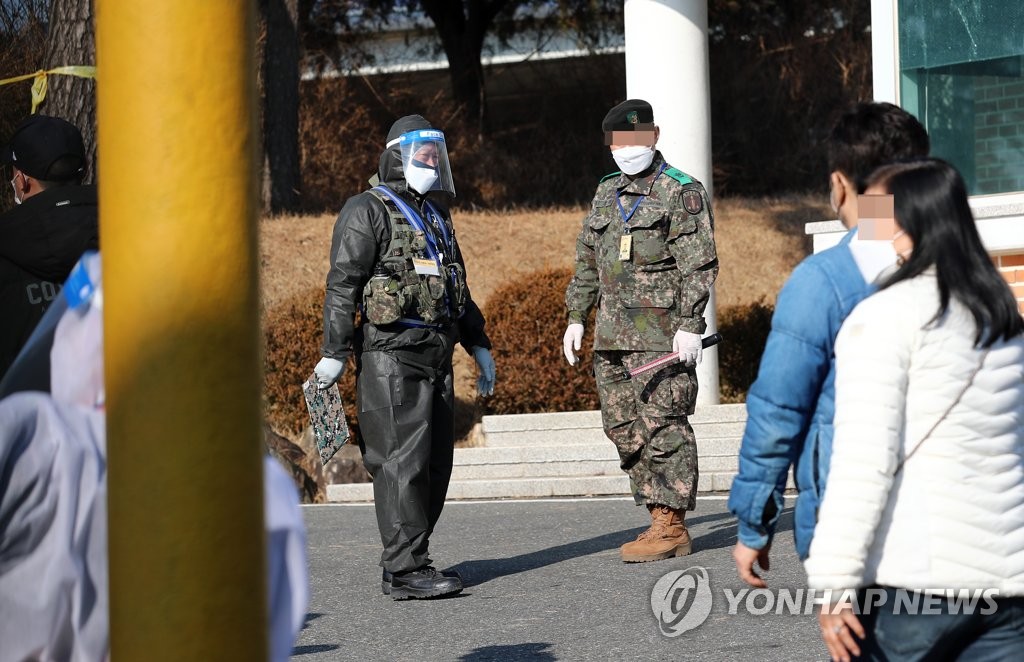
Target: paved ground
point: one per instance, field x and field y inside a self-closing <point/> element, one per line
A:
<point x="544" y="582"/>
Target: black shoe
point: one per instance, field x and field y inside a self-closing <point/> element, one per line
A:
<point x="385" y="579"/>
<point x="426" y="582"/>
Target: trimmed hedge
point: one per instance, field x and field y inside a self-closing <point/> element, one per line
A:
<point x="744" y="332"/>
<point x="293" y="335"/>
<point x="525" y="322"/>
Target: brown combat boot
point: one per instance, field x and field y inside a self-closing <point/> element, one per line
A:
<point x="666" y="538"/>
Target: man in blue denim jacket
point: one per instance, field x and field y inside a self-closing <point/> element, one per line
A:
<point x="790" y="405"/>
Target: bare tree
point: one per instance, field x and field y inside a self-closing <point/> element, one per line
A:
<point x="71" y="40"/>
<point x="280" y="76"/>
<point x="461" y="27"/>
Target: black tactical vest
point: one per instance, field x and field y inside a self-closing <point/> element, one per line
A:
<point x="399" y="293"/>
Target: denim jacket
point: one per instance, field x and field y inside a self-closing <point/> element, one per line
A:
<point x="790" y="405"/>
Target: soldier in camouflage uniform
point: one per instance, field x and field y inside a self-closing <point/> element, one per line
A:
<point x="646" y="258"/>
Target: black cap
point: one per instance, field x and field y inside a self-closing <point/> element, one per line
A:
<point x="407" y="124"/>
<point x="629" y="115"/>
<point x="47" y="148"/>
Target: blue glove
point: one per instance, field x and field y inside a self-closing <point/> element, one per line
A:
<point x="484" y="361"/>
<point x="328" y="371"/>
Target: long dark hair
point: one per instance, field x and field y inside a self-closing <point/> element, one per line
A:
<point x="930" y="200"/>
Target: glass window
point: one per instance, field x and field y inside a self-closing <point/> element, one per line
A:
<point x="962" y="75"/>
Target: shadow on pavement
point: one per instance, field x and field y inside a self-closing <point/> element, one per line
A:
<point x="484" y="570"/>
<point x="310" y="617"/>
<point x="723" y="534"/>
<point x="534" y="651"/>
<point x="313" y="648"/>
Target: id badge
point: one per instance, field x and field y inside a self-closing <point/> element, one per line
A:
<point x="625" y="246"/>
<point x="425" y="267"/>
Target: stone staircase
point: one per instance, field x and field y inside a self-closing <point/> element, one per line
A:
<point x="568" y="455"/>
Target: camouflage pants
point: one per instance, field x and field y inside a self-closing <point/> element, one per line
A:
<point x="646" y="419"/>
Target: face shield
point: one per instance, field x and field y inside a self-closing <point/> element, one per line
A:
<point x="425" y="161"/>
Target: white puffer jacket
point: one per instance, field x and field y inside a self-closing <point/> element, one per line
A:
<point x="954" y="515"/>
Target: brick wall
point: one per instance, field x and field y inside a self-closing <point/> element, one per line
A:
<point x="1012" y="268"/>
<point x="998" y="134"/>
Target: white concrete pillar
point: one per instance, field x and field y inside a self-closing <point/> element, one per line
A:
<point x="667" y="65"/>
<point x="884" y="45"/>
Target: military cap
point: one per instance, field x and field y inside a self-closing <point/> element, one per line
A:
<point x="629" y="115"/>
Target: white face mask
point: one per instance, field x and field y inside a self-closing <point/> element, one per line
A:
<point x="633" y="159"/>
<point x="420" y="179"/>
<point x="17" y="200"/>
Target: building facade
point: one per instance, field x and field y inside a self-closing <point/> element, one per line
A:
<point x="958" y="66"/>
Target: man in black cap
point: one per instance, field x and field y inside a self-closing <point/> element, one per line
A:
<point x="646" y="258"/>
<point x="43" y="236"/>
<point x="395" y="259"/>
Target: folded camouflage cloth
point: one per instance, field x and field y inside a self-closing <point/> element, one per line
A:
<point x="327" y="416"/>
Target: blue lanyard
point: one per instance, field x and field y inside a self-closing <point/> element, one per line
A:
<point x="439" y="223"/>
<point x="618" y="199"/>
<point x="416" y="221"/>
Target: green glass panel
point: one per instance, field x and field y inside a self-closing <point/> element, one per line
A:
<point x="962" y="75"/>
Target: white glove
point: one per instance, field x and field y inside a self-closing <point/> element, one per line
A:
<point x="328" y="371"/>
<point x="572" y="339"/>
<point x="485" y="362"/>
<point x="688" y="346"/>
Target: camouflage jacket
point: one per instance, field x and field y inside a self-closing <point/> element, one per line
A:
<point x="657" y="284"/>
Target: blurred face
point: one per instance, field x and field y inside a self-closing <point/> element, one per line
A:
<point x="425" y="155"/>
<point x="901" y="241"/>
<point x="876" y="219"/>
<point x="645" y="137"/>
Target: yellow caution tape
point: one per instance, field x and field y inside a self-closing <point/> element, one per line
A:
<point x="39" y="80"/>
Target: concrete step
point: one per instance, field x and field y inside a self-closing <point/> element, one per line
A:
<point x="564" y="428"/>
<point x="536" y="461"/>
<point x="504" y="489"/>
<point x="571" y="460"/>
<point x="568" y="455"/>
<point x="526" y="488"/>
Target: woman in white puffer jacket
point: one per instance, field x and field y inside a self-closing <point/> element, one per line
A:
<point x="926" y="482"/>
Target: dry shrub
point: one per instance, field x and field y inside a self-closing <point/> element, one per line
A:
<point x="526" y="318"/>
<point x="525" y="321"/>
<point x="339" y="142"/>
<point x="541" y="145"/>
<point x="300" y="465"/>
<point x="344" y="120"/>
<point x="744" y="330"/>
<point x="293" y="335"/>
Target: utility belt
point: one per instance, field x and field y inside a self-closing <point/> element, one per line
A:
<point x="408" y="322"/>
<point x="417" y="282"/>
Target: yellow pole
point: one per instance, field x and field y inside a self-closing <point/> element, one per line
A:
<point x="178" y="145"/>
